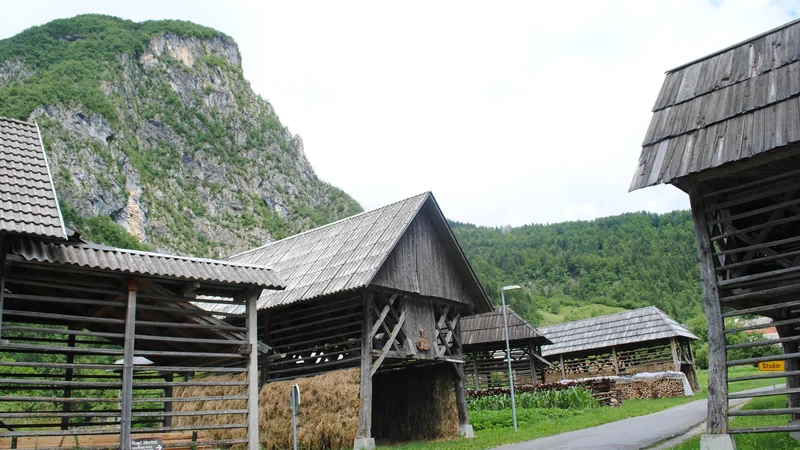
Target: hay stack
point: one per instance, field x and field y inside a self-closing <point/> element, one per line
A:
<point x="328" y="417"/>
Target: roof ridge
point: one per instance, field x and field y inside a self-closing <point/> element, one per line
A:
<point x="21" y="122"/>
<point x="324" y="226"/>
<point x="603" y="316"/>
<point x="738" y="44"/>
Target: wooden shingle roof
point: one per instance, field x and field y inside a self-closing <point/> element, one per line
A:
<point x="487" y="328"/>
<point x="27" y="199"/>
<point x="345" y="255"/>
<point x="639" y="325"/>
<point x="732" y="105"/>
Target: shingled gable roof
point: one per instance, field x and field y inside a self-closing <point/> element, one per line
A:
<point x="487" y="328"/>
<point x="27" y="199"/>
<point x="347" y="254"/>
<point x="728" y="106"/>
<point x="639" y="325"/>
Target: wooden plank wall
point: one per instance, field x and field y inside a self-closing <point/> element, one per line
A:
<point x="420" y="264"/>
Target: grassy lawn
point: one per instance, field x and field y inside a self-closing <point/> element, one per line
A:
<point x="494" y="428"/>
<point x="774" y="441"/>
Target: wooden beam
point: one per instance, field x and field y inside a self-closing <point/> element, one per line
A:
<point x="365" y="412"/>
<point x="395" y="331"/>
<point x="252" y="371"/>
<point x="127" y="369"/>
<point x="614" y="359"/>
<point x="717" y="370"/>
<point x="68" y="377"/>
<point x="563" y="369"/>
<point x="675" y="359"/>
<point x="532" y="360"/>
<point x="461" y="396"/>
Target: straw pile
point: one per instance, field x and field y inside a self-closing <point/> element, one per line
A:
<point x="414" y="403"/>
<point x="328" y="416"/>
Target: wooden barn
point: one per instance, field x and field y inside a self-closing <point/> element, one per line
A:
<point x="726" y="130"/>
<point x="383" y="291"/>
<point x="626" y="343"/>
<point x="71" y="310"/>
<point x="484" y="341"/>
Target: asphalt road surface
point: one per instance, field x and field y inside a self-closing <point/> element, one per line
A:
<point x="628" y="434"/>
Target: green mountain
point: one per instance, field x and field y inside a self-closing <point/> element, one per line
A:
<point x="155" y="136"/>
<point x="574" y="270"/>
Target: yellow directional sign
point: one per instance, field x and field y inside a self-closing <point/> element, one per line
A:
<point x="771" y="366"/>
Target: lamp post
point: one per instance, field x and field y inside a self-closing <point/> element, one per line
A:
<point x="508" y="350"/>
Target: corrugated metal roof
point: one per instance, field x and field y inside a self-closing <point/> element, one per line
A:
<point x="337" y="257"/>
<point x="488" y="328"/>
<point x="27" y="198"/>
<point x="639" y="325"/>
<point x="145" y="263"/>
<point x="729" y="106"/>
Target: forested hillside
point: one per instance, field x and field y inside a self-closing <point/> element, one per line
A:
<point x="627" y="261"/>
<point x="153" y="127"/>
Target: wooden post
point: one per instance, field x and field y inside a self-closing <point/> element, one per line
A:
<point x="68" y="373"/>
<point x="475" y="369"/>
<point x="127" y="369"/>
<point x="717" y="370"/>
<point x="461" y="396"/>
<point x="364" y="434"/>
<point x="532" y="360"/>
<point x="791" y="365"/>
<point x="614" y="359"/>
<point x="563" y="369"/>
<point x="168" y="400"/>
<point x="2" y="292"/>
<point x="252" y="372"/>
<point x="675" y="358"/>
<point x="265" y="339"/>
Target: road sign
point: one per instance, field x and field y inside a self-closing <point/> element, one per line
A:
<point x="771" y="366"/>
<point x="151" y="443"/>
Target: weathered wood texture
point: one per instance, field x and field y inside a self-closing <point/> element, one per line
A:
<point x="486" y="366"/>
<point x="365" y="394"/>
<point x="730" y="106"/>
<point x="421" y="264"/>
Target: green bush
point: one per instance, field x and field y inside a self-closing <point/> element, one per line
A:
<point x="571" y="398"/>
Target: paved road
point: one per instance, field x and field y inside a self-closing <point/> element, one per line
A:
<point x="628" y="434"/>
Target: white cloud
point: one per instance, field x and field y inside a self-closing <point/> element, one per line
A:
<point x="511" y="112"/>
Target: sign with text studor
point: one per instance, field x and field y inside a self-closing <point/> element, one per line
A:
<point x="771" y="366"/>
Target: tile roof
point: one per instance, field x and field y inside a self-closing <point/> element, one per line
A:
<point x="728" y="106"/>
<point x="639" y="325"/>
<point x="160" y="265"/>
<point x="27" y="198"/>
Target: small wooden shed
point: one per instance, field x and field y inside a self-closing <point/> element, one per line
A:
<point x="626" y="343"/>
<point x="484" y="340"/>
<point x="69" y="310"/>
<point x="385" y="291"/>
<point x="726" y="130"/>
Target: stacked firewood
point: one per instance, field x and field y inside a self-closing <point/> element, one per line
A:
<point x="645" y="389"/>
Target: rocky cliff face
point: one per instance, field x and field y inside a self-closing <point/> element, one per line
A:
<point x="166" y="136"/>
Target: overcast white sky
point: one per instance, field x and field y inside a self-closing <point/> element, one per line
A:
<point x="510" y="112"/>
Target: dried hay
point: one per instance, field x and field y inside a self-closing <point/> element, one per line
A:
<point x="328" y="417"/>
<point x="415" y="403"/>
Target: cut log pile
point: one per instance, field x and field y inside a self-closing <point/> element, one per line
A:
<point x="645" y="389"/>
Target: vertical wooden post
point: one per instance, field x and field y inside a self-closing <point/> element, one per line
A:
<point x="252" y="372"/>
<point x="68" y="373"/>
<point x="614" y="359"/>
<point x="717" y="370"/>
<point x="791" y="365"/>
<point x="532" y="360"/>
<point x="461" y="396"/>
<point x="475" y="369"/>
<point x="265" y="339"/>
<point x="2" y="291"/>
<point x="676" y="360"/>
<point x="563" y="369"/>
<point x="364" y="434"/>
<point x="168" y="400"/>
<point x="127" y="368"/>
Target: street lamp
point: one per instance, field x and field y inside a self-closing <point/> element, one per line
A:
<point x="508" y="349"/>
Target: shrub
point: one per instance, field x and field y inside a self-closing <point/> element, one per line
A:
<point x="575" y="397"/>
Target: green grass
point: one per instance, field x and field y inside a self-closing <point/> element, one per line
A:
<point x="494" y="428"/>
<point x="536" y="423"/>
<point x="572" y="313"/>
<point x="773" y="441"/>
